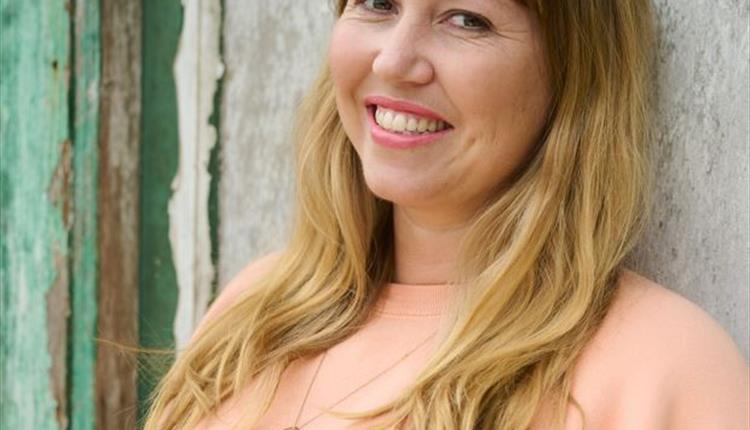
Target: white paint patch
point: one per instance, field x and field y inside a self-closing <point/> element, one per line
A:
<point x="197" y="68"/>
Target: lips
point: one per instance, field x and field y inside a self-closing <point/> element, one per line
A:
<point x="393" y="134"/>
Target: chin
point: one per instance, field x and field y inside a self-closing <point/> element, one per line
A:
<point x="401" y="191"/>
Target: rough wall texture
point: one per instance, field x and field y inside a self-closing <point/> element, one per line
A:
<point x="697" y="242"/>
<point x="272" y="51"/>
<point x="37" y="198"/>
<point x="118" y="221"/>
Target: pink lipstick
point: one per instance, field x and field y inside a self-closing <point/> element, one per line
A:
<point x="395" y="140"/>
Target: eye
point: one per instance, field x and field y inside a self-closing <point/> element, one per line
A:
<point x="469" y="21"/>
<point x="378" y="6"/>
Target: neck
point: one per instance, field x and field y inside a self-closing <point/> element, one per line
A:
<point x="426" y="246"/>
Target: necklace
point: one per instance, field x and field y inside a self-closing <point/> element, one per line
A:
<point x="359" y="387"/>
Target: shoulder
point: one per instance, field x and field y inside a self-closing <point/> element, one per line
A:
<point x="659" y="320"/>
<point x="240" y="284"/>
<point x="655" y="320"/>
<point x="664" y="359"/>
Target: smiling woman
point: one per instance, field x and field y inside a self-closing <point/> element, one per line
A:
<point x="419" y="61"/>
<point x="471" y="176"/>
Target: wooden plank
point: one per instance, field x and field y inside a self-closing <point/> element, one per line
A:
<point x="36" y="204"/>
<point x="161" y="23"/>
<point x="197" y="68"/>
<point x="119" y="139"/>
<point x="86" y="79"/>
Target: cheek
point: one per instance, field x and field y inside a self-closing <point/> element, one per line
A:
<point x="349" y="67"/>
<point x="340" y="59"/>
<point x="505" y="115"/>
<point x="503" y="118"/>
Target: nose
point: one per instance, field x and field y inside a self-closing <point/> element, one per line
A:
<point x="400" y="58"/>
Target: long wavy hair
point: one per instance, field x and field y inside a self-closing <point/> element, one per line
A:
<point x="542" y="260"/>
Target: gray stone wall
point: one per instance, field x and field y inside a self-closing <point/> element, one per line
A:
<point x="698" y="241"/>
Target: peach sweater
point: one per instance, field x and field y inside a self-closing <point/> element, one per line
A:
<point x="658" y="362"/>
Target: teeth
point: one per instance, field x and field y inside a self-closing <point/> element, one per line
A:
<point x="411" y="125"/>
<point x="405" y="123"/>
<point x="399" y="122"/>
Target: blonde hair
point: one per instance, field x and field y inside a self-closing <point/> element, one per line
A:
<point x="541" y="261"/>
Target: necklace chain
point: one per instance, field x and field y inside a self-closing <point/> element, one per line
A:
<point x="359" y="387"/>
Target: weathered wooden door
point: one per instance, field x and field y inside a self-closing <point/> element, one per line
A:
<point x="89" y="150"/>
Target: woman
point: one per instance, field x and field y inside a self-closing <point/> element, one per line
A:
<point x="471" y="175"/>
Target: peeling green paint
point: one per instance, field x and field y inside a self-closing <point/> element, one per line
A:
<point x="49" y="126"/>
<point x="83" y="295"/>
<point x="162" y="21"/>
<point x="214" y="167"/>
<point x="34" y="115"/>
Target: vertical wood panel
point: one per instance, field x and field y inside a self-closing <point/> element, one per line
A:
<point x="162" y="20"/>
<point x="197" y="69"/>
<point x="36" y="203"/>
<point x="85" y="87"/>
<point x="119" y="139"/>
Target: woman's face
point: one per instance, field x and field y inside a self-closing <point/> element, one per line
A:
<point x="442" y="99"/>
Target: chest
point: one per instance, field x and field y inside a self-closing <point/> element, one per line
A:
<point x="363" y="372"/>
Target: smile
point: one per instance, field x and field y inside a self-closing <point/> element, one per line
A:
<point x="403" y="123"/>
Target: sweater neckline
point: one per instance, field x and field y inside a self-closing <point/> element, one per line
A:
<point x="415" y="299"/>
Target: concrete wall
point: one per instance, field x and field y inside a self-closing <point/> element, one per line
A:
<point x="697" y="243"/>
